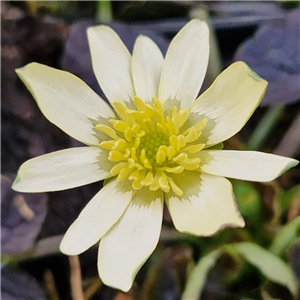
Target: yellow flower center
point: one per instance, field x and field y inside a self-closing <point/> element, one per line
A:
<point x="149" y="146"/>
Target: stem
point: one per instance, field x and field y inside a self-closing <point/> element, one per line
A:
<point x="265" y="126"/>
<point x="290" y="143"/>
<point x="76" y="282"/>
<point x="215" y="62"/>
<point x="93" y="288"/>
<point x="50" y="285"/>
<point x="104" y="11"/>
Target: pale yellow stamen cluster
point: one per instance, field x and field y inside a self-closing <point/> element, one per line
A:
<point x="149" y="147"/>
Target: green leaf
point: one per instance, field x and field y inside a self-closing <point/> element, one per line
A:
<point x="249" y="202"/>
<point x="107" y="180"/>
<point x="287" y="197"/>
<point x="197" y="278"/>
<point x="285" y="237"/>
<point x="270" y="265"/>
<point x="216" y="147"/>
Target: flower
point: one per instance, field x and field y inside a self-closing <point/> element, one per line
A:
<point x="155" y="143"/>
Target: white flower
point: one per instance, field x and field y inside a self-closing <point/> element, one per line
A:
<point x="155" y="143"/>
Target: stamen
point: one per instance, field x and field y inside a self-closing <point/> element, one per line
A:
<point x="137" y="142"/>
<point x="194" y="148"/>
<point x="180" y="142"/>
<point x="135" y="128"/>
<point x="134" y="175"/>
<point x="160" y="157"/>
<point x="124" y="174"/>
<point x="171" y="127"/>
<point x="133" y="153"/>
<point x="120" y="145"/>
<point x="157" y="105"/>
<point x="201" y="124"/>
<point x="108" y="131"/>
<point x="119" y="125"/>
<point x="131" y="163"/>
<point x="171" y="152"/>
<point x="173" y="141"/>
<point x="107" y="144"/>
<point x="175" y="170"/>
<point x="159" y="111"/>
<point x="116" y="156"/>
<point x="163" y="182"/>
<point x="148" y="179"/>
<point x="117" y="168"/>
<point x="190" y="163"/>
<point x="181" y="117"/>
<point x="140" y="104"/>
<point x="128" y="135"/>
<point x="192" y="135"/>
<point x="161" y="128"/>
<point x="180" y="157"/>
<point x="175" y="188"/>
<point x="154" y="186"/>
<point x="121" y="110"/>
<point x="148" y="147"/>
<point x="148" y="124"/>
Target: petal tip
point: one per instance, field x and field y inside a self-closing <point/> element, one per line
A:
<point x="99" y="29"/>
<point x="26" y="67"/>
<point x="18" y="185"/>
<point x="21" y="71"/>
<point x="251" y="73"/>
<point x="67" y="247"/>
<point x="113" y="280"/>
<point x="290" y="164"/>
<point x="286" y="164"/>
<point x="197" y="22"/>
<point x="15" y="182"/>
<point x="238" y="222"/>
<point x="199" y="25"/>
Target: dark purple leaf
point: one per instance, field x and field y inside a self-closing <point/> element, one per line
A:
<point x="274" y="53"/>
<point x="167" y="278"/>
<point x="293" y="256"/>
<point x="18" y="285"/>
<point x="22" y="216"/>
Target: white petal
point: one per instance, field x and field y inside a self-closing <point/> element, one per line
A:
<point x="62" y="170"/>
<point x="125" y="248"/>
<point x="206" y="206"/>
<point x="111" y="63"/>
<point x="229" y="102"/>
<point x="245" y="165"/>
<point x="147" y="62"/>
<point x="185" y="64"/>
<point x="99" y="215"/>
<point x="65" y="100"/>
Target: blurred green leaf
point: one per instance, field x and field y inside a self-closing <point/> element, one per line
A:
<point x="249" y="202"/>
<point x="270" y="265"/>
<point x="197" y="278"/>
<point x="286" y="198"/>
<point x="107" y="180"/>
<point x="219" y="146"/>
<point x="52" y="6"/>
<point x="265" y="126"/>
<point x="285" y="237"/>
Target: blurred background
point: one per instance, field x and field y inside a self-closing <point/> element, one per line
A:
<point x="260" y="261"/>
